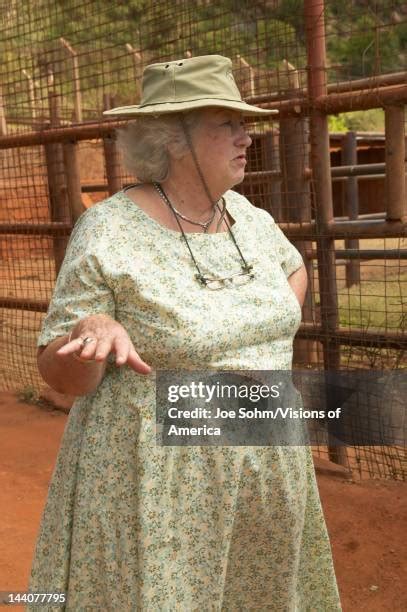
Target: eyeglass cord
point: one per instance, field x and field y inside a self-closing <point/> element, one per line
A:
<point x="245" y="267"/>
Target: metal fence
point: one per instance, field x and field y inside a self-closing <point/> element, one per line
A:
<point x="339" y="66"/>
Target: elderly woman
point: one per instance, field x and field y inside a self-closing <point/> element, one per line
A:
<point x="128" y="524"/>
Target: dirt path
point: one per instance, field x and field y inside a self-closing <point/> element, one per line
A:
<point x="366" y="520"/>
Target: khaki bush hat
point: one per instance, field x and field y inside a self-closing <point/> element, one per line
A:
<point x="186" y="84"/>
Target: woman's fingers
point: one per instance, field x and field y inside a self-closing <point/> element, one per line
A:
<point x="87" y="351"/>
<point x="136" y="363"/>
<point x="106" y="338"/>
<point x="70" y="347"/>
<point x="102" y="349"/>
<point x="125" y="353"/>
<point x="122" y="347"/>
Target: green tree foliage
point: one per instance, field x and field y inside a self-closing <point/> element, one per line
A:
<point x="366" y="37"/>
<point x="371" y="120"/>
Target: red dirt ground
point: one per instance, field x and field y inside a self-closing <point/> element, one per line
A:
<point x="365" y="519"/>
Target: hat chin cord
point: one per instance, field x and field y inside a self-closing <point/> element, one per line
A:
<point x="194" y="157"/>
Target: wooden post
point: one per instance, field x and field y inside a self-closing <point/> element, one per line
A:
<point x="314" y="13"/>
<point x="31" y="93"/>
<point x="76" y="79"/>
<point x="395" y="182"/>
<point x="138" y="69"/>
<point x="351" y="198"/>
<point x="59" y="208"/>
<point x="112" y="157"/>
<point x="250" y="75"/>
<point x="73" y="181"/>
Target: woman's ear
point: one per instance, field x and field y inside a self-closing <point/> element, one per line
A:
<point x="177" y="149"/>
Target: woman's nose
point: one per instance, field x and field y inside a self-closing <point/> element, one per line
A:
<point x="248" y="139"/>
<point x="243" y="137"/>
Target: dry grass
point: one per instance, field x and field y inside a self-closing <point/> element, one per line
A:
<point x="375" y="305"/>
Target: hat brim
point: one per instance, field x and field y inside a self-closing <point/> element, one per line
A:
<point x="178" y="107"/>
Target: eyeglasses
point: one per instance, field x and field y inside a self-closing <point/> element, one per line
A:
<point x="214" y="284"/>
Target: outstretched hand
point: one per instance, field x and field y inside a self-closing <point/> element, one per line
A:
<point x="109" y="336"/>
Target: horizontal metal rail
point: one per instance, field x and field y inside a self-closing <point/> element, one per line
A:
<point x="23" y="304"/>
<point x="363" y="177"/>
<point x="85" y="131"/>
<point x="358" y="170"/>
<point x="373" y="82"/>
<point x="354" y="337"/>
<point x="94" y="187"/>
<point x="395" y="78"/>
<point x="334" y="103"/>
<point x="378" y="215"/>
<point x="364" y="254"/>
<point x="55" y="228"/>
<point x="361" y="228"/>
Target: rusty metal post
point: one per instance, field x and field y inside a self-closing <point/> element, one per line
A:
<point x="270" y="160"/>
<point x="395" y="182"/>
<point x="351" y="198"/>
<point x="296" y="193"/>
<point x="73" y="180"/>
<point x="59" y="208"/>
<point x="112" y="157"/>
<point x="321" y="167"/>
<point x="294" y="155"/>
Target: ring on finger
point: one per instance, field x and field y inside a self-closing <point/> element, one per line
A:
<point x="84" y="341"/>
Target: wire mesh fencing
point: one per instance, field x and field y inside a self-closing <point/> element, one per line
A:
<point x="330" y="168"/>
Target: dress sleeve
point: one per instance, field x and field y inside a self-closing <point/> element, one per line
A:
<point x="290" y="258"/>
<point x="283" y="250"/>
<point x="81" y="288"/>
<point x="267" y="229"/>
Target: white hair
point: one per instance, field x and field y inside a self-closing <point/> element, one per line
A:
<point x="146" y="142"/>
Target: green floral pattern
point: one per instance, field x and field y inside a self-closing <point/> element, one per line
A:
<point x="129" y="525"/>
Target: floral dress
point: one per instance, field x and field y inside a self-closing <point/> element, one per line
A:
<point x="130" y="525"/>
